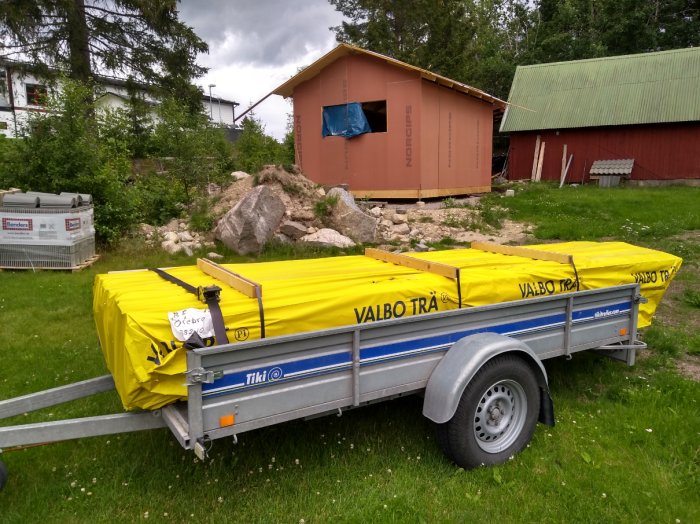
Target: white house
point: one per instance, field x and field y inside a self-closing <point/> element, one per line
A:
<point x="22" y="93"/>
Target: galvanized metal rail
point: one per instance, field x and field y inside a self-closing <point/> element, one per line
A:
<point x="265" y="382"/>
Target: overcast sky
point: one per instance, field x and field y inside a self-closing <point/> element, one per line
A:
<point x="254" y="46"/>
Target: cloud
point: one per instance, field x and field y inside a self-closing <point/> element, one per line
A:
<point x="248" y="84"/>
<point x="254" y="46"/>
<point x="264" y="32"/>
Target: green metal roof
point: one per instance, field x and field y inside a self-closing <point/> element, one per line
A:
<point x="619" y="90"/>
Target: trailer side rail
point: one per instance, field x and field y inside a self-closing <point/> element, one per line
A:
<point x="245" y="386"/>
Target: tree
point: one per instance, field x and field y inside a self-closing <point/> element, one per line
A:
<point x="141" y="39"/>
<point x="576" y="29"/>
<point x="254" y="148"/>
<point x="478" y="42"/>
<point x="505" y="36"/>
<point x="427" y="33"/>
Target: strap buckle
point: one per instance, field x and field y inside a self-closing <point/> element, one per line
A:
<point x="209" y="293"/>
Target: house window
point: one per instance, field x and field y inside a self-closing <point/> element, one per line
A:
<point x="3" y="89"/>
<point x="3" y="125"/>
<point x="36" y="95"/>
<point x="376" y="115"/>
<point x="354" y="118"/>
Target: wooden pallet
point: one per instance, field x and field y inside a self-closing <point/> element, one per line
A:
<point x="73" y="269"/>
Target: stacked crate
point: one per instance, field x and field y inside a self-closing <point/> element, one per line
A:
<point x="46" y="231"/>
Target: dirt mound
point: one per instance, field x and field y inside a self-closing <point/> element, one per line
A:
<point x="296" y="191"/>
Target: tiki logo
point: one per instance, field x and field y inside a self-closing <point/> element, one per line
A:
<point x="260" y="377"/>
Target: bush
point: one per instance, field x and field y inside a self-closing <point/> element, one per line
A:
<point x="324" y="206"/>
<point x="196" y="153"/>
<point x="159" y="198"/>
<point x="72" y="147"/>
<point x="288" y="147"/>
<point x="254" y="148"/>
<point x="201" y="218"/>
<point x="65" y="149"/>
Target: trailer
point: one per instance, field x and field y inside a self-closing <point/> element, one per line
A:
<point x="479" y="369"/>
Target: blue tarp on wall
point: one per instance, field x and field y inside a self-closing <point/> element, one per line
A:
<point x="347" y="120"/>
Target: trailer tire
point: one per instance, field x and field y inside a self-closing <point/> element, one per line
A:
<point x="3" y="475"/>
<point x="496" y="415"/>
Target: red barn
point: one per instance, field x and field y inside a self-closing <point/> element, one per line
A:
<point x="644" y="107"/>
<point x="388" y="129"/>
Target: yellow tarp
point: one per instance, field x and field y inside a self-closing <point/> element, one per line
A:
<point x="147" y="360"/>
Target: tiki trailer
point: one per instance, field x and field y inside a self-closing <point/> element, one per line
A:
<point x="478" y="367"/>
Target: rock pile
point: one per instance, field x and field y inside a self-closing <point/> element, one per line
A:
<point x="175" y="237"/>
<point x="286" y="206"/>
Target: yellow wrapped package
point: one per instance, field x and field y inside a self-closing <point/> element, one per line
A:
<point x="144" y="321"/>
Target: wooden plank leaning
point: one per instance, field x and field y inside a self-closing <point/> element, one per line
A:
<point x="536" y="157"/>
<point x="566" y="171"/>
<point x="563" y="164"/>
<point x="246" y="286"/>
<point x="540" y="160"/>
<point x="525" y="252"/>
<point x="413" y="263"/>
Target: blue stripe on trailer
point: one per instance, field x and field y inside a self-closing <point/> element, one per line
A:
<point x="525" y="326"/>
<point x="293" y="370"/>
<point x="438" y="342"/>
<point x="308" y="367"/>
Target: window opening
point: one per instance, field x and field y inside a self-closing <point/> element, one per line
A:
<point x="36" y="95"/>
<point x="355" y="118"/>
<point x="376" y="115"/>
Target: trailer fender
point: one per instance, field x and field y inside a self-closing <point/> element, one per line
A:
<point x="463" y="360"/>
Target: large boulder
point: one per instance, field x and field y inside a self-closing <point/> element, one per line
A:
<point x="252" y="222"/>
<point x="350" y="220"/>
<point x="328" y="238"/>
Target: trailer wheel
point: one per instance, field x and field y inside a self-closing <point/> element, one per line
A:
<point x="3" y="475"/>
<point x="496" y="415"/>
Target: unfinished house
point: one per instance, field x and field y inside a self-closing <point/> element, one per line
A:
<point x="388" y="129"/>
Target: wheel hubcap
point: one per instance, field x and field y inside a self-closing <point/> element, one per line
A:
<point x="500" y="416"/>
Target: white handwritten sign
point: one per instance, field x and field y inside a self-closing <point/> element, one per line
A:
<point x="185" y="322"/>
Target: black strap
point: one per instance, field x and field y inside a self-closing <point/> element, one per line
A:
<point x="209" y="295"/>
<point x="217" y="319"/>
<point x="175" y="280"/>
<point x="459" y="288"/>
<point x="578" y="286"/>
<point x="258" y="293"/>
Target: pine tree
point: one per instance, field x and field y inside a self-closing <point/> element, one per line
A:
<point x="139" y="39"/>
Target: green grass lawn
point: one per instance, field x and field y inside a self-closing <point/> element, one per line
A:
<point x="593" y="213"/>
<point x="626" y="447"/>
